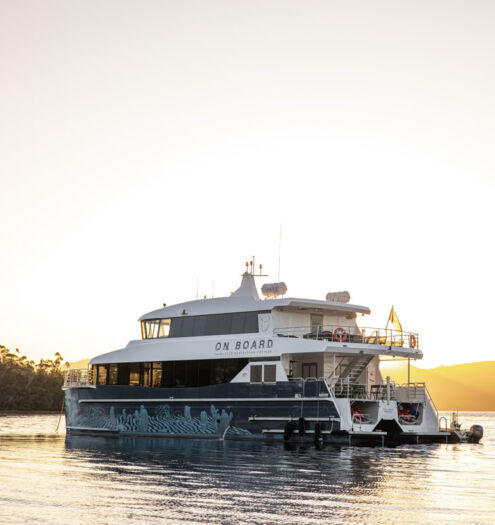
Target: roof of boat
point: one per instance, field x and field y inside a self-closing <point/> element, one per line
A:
<point x="230" y="304"/>
<point x="246" y="299"/>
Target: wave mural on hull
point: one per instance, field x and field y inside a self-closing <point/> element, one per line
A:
<point x="160" y="419"/>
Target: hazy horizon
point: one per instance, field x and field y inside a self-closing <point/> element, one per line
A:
<point x="144" y="146"/>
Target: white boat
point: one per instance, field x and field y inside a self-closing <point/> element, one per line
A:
<point x="242" y="367"/>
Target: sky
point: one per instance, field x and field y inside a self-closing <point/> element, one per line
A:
<point x="146" y="147"/>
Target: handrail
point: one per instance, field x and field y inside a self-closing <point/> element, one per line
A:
<point x="415" y="392"/>
<point x="79" y="377"/>
<point x="352" y="334"/>
<point x="430" y="399"/>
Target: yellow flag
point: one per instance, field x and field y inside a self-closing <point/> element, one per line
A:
<point x="392" y="318"/>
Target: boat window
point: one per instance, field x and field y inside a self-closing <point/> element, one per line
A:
<point x="192" y="370"/>
<point x="270" y="373"/>
<point x="316" y="323"/>
<point x="134" y="375"/>
<point x="156" y="375"/>
<point x="150" y="328"/>
<point x="238" y="322"/>
<point x="102" y="374"/>
<point x="187" y="326"/>
<point x="204" y="372"/>
<point x="146" y="374"/>
<point x="256" y="371"/>
<point x="198" y="325"/>
<point x="171" y="374"/>
<point x="164" y="328"/>
<point x="113" y="378"/>
<point x="123" y="373"/>
<point x="180" y="374"/>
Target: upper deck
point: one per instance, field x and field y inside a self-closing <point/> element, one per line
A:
<point x="244" y="325"/>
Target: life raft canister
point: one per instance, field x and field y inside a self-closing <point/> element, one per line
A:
<point x="339" y="334"/>
<point x="412" y="341"/>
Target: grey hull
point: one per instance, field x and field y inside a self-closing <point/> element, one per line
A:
<point x="242" y="411"/>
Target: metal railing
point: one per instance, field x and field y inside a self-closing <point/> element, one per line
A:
<point x="352" y="334"/>
<point x="411" y="393"/>
<point x="430" y="399"/>
<point x="350" y="390"/>
<point x="79" y="377"/>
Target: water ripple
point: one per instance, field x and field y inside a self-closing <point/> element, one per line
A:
<point x="47" y="479"/>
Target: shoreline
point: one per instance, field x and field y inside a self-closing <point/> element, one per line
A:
<point x="28" y="412"/>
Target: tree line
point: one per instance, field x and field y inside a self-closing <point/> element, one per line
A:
<point x="26" y="385"/>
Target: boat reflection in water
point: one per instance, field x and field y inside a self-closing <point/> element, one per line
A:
<point x="217" y="481"/>
<point x="80" y="479"/>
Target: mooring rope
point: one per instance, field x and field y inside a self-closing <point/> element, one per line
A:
<point x="60" y="417"/>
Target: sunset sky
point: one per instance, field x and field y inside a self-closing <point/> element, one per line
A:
<point x="145" y="145"/>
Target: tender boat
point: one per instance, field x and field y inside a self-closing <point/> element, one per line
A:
<point x="242" y="367"/>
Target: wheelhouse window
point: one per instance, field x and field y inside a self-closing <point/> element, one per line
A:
<point x="164" y="328"/>
<point x="150" y="329"/>
<point x="155" y="328"/>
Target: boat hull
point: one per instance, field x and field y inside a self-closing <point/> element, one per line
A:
<point x="243" y="411"/>
<point x="282" y="411"/>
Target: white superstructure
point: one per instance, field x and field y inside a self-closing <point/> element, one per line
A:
<point x="275" y="361"/>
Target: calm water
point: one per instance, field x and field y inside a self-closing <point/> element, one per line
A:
<point x="48" y="479"/>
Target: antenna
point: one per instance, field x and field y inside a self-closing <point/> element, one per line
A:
<point x="279" y="250"/>
<point x="197" y="287"/>
<point x="251" y="269"/>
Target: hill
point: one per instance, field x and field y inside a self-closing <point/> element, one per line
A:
<point x="83" y="363"/>
<point x="469" y="386"/>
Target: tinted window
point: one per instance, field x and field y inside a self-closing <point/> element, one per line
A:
<point x="134" y="375"/>
<point x="238" y="322"/>
<point x="187" y="326"/>
<point x="171" y="374"/>
<point x="270" y="373"/>
<point x="197" y="325"/>
<point x="251" y="325"/>
<point x="146" y="374"/>
<point x="168" y="374"/>
<point x="176" y="327"/>
<point x="180" y="373"/>
<point x="113" y="377"/>
<point x="123" y="374"/>
<point x="102" y="374"/>
<point x="218" y="324"/>
<point x="256" y="373"/>
<point x="204" y="372"/>
<point x="157" y="375"/>
<point x="192" y="373"/>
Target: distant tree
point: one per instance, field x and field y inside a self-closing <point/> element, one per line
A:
<point x="25" y="385"/>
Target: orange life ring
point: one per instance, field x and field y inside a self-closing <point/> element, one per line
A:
<point x="412" y="341"/>
<point x="340" y="335"/>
